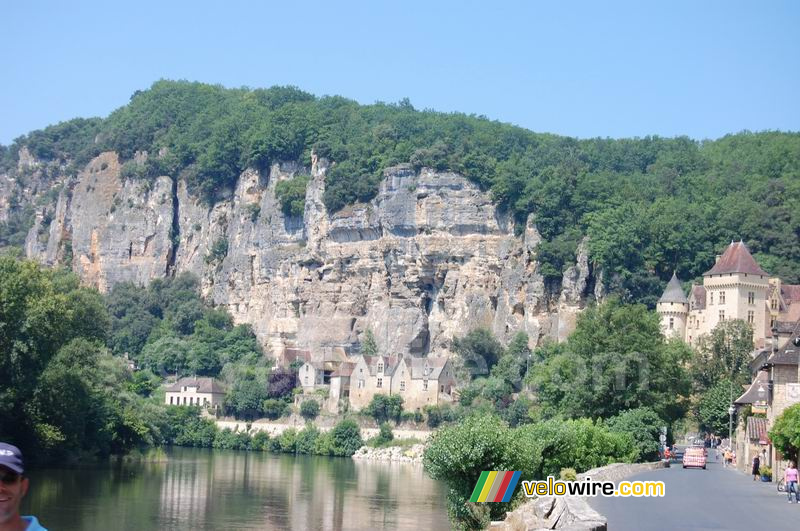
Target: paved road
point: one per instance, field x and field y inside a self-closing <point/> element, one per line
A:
<point x="716" y="498"/>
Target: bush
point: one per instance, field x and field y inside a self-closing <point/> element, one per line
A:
<point x="385" y="434"/>
<point x="287" y="441"/>
<point x="307" y="439"/>
<point x="260" y="441"/>
<point x="345" y="439"/>
<point x="274" y="409"/>
<point x="644" y="426"/>
<point x="309" y="409"/>
<point x="568" y="474"/>
<point x="385" y="407"/>
<point x="785" y="433"/>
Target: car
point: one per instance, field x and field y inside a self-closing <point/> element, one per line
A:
<point x="694" y="457"/>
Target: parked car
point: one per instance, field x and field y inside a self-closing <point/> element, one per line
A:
<point x="694" y="457"/>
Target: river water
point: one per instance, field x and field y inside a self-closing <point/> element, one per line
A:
<point x="217" y="489"/>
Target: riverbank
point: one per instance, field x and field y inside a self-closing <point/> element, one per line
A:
<point x="394" y="454"/>
<point x="277" y="428"/>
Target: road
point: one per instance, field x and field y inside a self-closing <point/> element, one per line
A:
<point x="715" y="498"/>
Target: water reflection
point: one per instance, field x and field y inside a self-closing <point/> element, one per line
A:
<point x="204" y="489"/>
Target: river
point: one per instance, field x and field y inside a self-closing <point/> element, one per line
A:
<point x="217" y="489"/>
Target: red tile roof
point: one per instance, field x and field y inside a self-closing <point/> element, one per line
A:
<point x="736" y="259"/>
<point x="790" y="292"/>
<point x="699" y="296"/>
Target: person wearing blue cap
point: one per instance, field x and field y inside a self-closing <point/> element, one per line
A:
<point x="13" y="487"/>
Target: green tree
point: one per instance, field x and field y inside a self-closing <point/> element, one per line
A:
<point x="385" y="407"/>
<point x="723" y="354"/>
<point x="246" y="398"/>
<point x="785" y="433"/>
<point x="345" y="439"/>
<point x="644" y="427"/>
<point x="309" y="409"/>
<point x="369" y="347"/>
<point x="615" y="360"/>
<point x="480" y="351"/>
<point x="712" y="407"/>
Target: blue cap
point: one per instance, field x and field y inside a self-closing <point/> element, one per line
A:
<point x="11" y="458"/>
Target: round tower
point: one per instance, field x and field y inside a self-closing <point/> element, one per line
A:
<point x="673" y="308"/>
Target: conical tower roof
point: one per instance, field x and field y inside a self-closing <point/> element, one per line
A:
<point x="674" y="292"/>
<point x="736" y="259"/>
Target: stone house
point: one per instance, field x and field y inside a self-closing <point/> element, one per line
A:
<point x="340" y="386"/>
<point x="420" y="381"/>
<point x="193" y="391"/>
<point x="311" y="376"/>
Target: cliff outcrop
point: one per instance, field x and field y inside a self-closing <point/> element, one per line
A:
<point x="429" y="258"/>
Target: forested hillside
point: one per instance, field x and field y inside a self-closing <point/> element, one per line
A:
<point x="650" y="205"/>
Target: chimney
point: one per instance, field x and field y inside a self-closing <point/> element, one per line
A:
<point x="717" y="258"/>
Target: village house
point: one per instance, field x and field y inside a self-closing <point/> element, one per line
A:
<point x="193" y="391"/>
<point x="340" y="386"/>
<point x="419" y="381"/>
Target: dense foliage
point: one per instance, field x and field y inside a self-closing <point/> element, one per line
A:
<point x="63" y="393"/>
<point x="650" y="205"/>
<point x="785" y="434"/>
<point x="458" y="454"/>
<point x="616" y="359"/>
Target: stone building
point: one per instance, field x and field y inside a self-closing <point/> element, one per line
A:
<point x="420" y="381"/>
<point x="193" y="391"/>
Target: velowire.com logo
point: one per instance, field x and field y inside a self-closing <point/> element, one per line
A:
<point x="495" y="486"/>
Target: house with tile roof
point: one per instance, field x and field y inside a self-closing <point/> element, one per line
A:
<point x="420" y="381"/>
<point x="193" y="391"/>
<point x="736" y="287"/>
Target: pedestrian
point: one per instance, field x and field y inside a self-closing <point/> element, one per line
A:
<point x="790" y="479"/>
<point x="756" y="467"/>
<point x="13" y="487"/>
<point x="726" y="458"/>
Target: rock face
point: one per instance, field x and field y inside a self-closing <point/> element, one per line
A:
<point x="428" y="259"/>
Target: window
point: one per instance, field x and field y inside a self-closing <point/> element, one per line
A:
<point x="751" y="298"/>
<point x="170" y="400"/>
<point x="711" y="298"/>
<point x="361" y="384"/>
<point x="184" y="400"/>
<point x="306" y="368"/>
<point x="774" y="304"/>
<point x="441" y="390"/>
<point x="722" y="315"/>
<point x="424" y="385"/>
<point x="671" y="323"/>
<point x="751" y="316"/>
<point x="402" y="385"/>
<point x="380" y="382"/>
<point x="205" y="400"/>
<point x="722" y="297"/>
<point x="772" y="323"/>
<point x="305" y="380"/>
<point x="380" y="366"/>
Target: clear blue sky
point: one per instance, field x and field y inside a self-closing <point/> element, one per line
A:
<point x="583" y="69"/>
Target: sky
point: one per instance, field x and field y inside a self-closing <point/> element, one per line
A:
<point x="583" y="69"/>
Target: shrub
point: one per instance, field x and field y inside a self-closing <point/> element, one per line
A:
<point x="287" y="441"/>
<point x="785" y="433"/>
<point x="385" y="434"/>
<point x="307" y="439"/>
<point x="644" y="426"/>
<point x="385" y="407"/>
<point x="568" y="474"/>
<point x="260" y="441"/>
<point x="345" y="438"/>
<point x="309" y="409"/>
<point x="274" y="409"/>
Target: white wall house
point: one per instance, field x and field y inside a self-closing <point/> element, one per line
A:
<point x="194" y="391"/>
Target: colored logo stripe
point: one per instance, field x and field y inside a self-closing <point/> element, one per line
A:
<point x="511" y="486"/>
<point x="495" y="486"/>
<point x="487" y="486"/>
<point x="479" y="487"/>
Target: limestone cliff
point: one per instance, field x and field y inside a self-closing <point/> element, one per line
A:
<point x="428" y="259"/>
